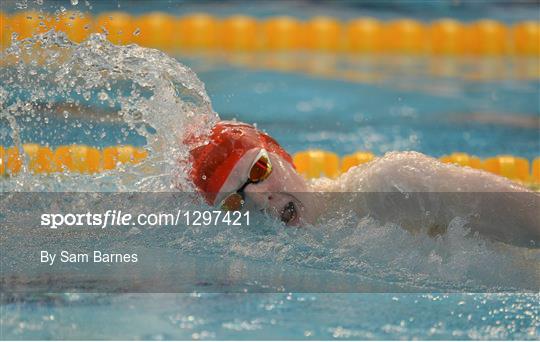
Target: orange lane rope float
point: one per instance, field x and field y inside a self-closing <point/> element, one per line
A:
<point x="72" y="158"/>
<point x="243" y="33"/>
<point x="310" y="163"/>
<point x="318" y="163"/>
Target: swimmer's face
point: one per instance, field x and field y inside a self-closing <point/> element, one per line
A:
<point x="284" y="194"/>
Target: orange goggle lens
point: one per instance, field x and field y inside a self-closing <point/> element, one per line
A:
<point x="261" y="169"/>
<point x="233" y="202"/>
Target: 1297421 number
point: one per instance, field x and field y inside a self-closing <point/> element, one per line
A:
<point x="216" y="217"/>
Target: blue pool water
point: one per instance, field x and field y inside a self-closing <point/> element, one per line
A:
<point x="276" y="316"/>
<point x="435" y="116"/>
<point x="402" y="108"/>
<point x="467" y="11"/>
<point x="307" y="111"/>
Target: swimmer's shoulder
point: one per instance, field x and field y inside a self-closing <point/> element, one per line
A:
<point x="398" y="171"/>
<point x="414" y="171"/>
<point x="395" y="162"/>
<point x="381" y="173"/>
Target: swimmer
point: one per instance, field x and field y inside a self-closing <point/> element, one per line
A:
<point x="242" y="168"/>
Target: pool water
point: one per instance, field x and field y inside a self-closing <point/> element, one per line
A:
<point x="275" y="316"/>
<point x="399" y="109"/>
<point x="307" y="111"/>
<point x="435" y="116"/>
<point x="432" y="115"/>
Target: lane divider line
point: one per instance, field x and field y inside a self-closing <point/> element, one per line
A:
<point x="198" y="31"/>
<point x="315" y="163"/>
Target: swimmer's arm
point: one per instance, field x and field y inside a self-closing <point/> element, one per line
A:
<point x="493" y="206"/>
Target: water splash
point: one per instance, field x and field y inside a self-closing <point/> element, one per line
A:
<point x="49" y="80"/>
<point x="347" y="244"/>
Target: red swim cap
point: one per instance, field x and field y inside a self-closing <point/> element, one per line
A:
<point x="228" y="142"/>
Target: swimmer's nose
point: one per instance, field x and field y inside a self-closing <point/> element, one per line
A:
<point x="256" y="198"/>
<point x="269" y="202"/>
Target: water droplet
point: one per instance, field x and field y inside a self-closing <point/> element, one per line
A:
<point x="22" y="4"/>
<point x="74" y="2"/>
<point x="103" y="96"/>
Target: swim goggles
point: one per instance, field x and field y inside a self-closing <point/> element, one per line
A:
<point x="259" y="171"/>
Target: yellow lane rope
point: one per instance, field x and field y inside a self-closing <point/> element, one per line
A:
<point x="310" y="163"/>
<point x="317" y="163"/>
<point x="72" y="158"/>
<point x="243" y="33"/>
